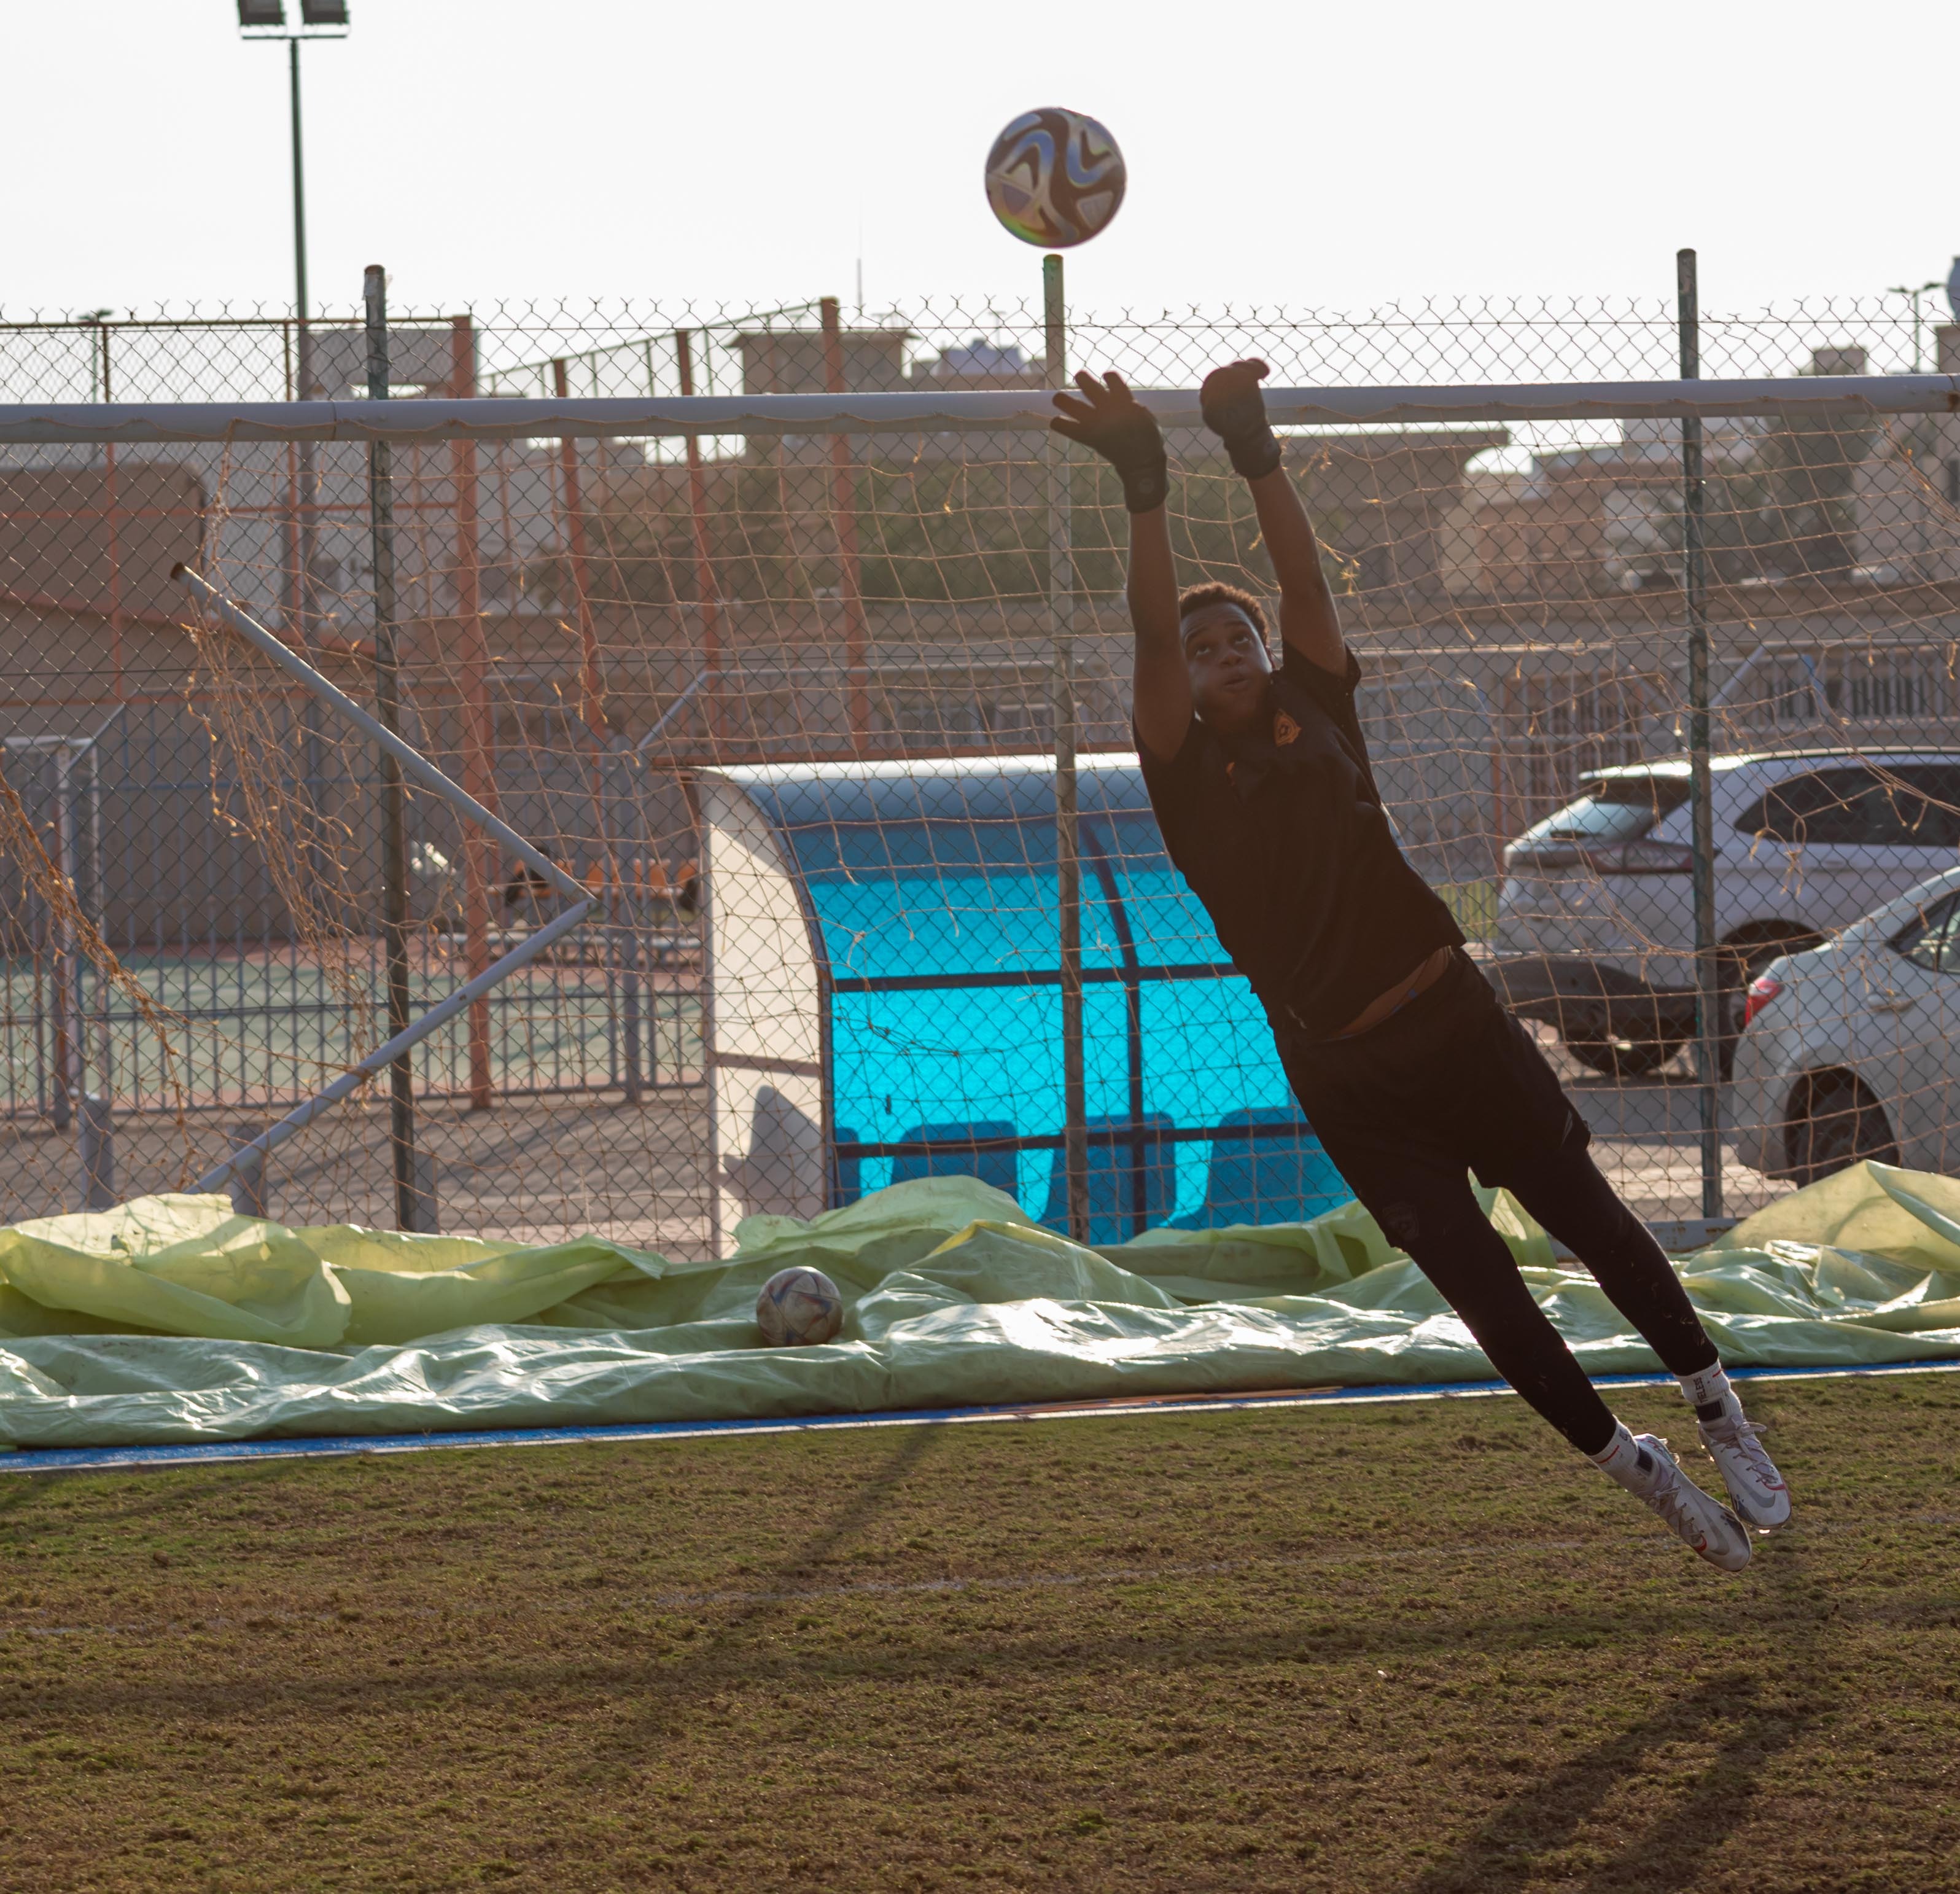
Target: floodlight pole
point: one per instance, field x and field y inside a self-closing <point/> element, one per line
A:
<point x="301" y="305"/>
<point x="412" y="1210"/>
<point x="302" y="479"/>
<point x="1067" y="837"/>
<point x="1708" y="1007"/>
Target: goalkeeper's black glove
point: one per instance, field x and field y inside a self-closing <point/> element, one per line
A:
<point x="1118" y="426"/>
<point x="1234" y="410"/>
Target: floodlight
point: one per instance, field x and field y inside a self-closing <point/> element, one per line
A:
<point x="323" y="13"/>
<point x="262" y="13"/>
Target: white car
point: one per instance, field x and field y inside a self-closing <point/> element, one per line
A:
<point x="1805" y="842"/>
<point x="1849" y="1052"/>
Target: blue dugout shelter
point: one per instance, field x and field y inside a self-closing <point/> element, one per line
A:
<point x="883" y="1002"/>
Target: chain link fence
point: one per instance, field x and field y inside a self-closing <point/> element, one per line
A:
<point x="786" y="704"/>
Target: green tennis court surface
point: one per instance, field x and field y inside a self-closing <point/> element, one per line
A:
<point x="262" y="1025"/>
<point x="1418" y="1648"/>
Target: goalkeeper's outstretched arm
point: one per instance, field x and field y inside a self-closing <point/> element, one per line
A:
<point x="1236" y="411"/>
<point x="1108" y="418"/>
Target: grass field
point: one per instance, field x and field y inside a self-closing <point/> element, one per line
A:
<point x="1405" y="1648"/>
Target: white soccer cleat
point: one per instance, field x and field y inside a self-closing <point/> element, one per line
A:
<point x="1703" y="1525"/>
<point x="1756" y="1489"/>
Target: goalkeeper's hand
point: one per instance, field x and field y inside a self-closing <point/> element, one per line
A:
<point x="1110" y="419"/>
<point x="1234" y="410"/>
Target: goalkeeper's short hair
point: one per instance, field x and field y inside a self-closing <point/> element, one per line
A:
<point x="1195" y="598"/>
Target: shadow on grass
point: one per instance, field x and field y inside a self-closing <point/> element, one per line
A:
<point x="1687" y="1825"/>
<point x="170" y="1496"/>
<point x="706" y="1667"/>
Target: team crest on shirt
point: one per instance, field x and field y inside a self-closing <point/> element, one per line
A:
<point x="1284" y="730"/>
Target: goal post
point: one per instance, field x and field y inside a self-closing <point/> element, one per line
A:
<point x="788" y="662"/>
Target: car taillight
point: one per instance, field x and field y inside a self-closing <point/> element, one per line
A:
<point x="1761" y="992"/>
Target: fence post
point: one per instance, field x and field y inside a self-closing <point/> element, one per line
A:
<point x="247" y="1183"/>
<point x="473" y="688"/>
<point x="591" y="679"/>
<point x="1067" y="840"/>
<point x="114" y="548"/>
<point x="409" y="1197"/>
<point x="623" y="913"/>
<point x="64" y="1009"/>
<point x="1708" y="1020"/>
<point x="704" y="557"/>
<point x="96" y="1136"/>
<point x="843" y="524"/>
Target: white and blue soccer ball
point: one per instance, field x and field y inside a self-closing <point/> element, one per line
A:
<point x="1056" y="178"/>
<point x="798" y="1307"/>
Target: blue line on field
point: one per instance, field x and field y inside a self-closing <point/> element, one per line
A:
<point x="56" y="1459"/>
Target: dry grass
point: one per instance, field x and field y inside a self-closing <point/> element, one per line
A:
<point x="1414" y="1648"/>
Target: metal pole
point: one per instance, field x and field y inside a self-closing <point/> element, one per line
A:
<point x="409" y="1204"/>
<point x="306" y="495"/>
<point x="115" y="546"/>
<point x="64" y="961"/>
<point x="704" y="552"/>
<point x="248" y="1180"/>
<point x="625" y="917"/>
<point x="98" y="1140"/>
<point x="1067" y="840"/>
<point x="410" y="759"/>
<point x="299" y="196"/>
<point x="1708" y="1009"/>
<point x="393" y="1050"/>
<point x="467" y="805"/>
<point x="591" y="676"/>
<point x="478" y="732"/>
<point x="1856" y="399"/>
<point x="844" y="524"/>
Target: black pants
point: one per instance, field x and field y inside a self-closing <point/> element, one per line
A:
<point x="1452" y="1083"/>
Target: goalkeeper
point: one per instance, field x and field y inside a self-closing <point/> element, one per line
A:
<point x="1412" y="1073"/>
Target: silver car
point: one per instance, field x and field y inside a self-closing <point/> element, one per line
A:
<point x="1805" y="842"/>
<point x="1849" y="1050"/>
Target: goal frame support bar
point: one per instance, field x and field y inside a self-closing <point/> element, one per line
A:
<point x="414" y="764"/>
<point x="149" y="423"/>
<point x="377" y="1062"/>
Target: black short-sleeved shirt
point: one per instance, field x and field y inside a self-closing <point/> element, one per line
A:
<point x="1282" y="835"/>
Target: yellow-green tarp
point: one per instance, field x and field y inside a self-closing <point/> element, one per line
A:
<point x="172" y="1319"/>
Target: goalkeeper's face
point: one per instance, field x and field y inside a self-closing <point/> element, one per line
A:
<point x="1230" y="667"/>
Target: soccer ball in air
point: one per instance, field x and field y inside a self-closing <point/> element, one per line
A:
<point x="1056" y="178"/>
<point x="798" y="1307"/>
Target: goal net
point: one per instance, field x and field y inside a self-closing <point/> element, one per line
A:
<point x="787" y="705"/>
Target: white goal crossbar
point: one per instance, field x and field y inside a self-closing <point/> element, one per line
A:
<point x="955" y="412"/>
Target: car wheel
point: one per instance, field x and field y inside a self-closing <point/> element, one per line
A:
<point x="1835" y="1122"/>
<point x="1623" y="1058"/>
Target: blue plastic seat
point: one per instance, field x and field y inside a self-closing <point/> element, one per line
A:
<point x="1112" y="1201"/>
<point x="1280" y="1176"/>
<point x="995" y="1167"/>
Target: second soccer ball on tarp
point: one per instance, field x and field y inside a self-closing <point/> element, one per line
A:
<point x="798" y="1307"/>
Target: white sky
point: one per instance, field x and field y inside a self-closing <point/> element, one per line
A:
<point x="1323" y="157"/>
